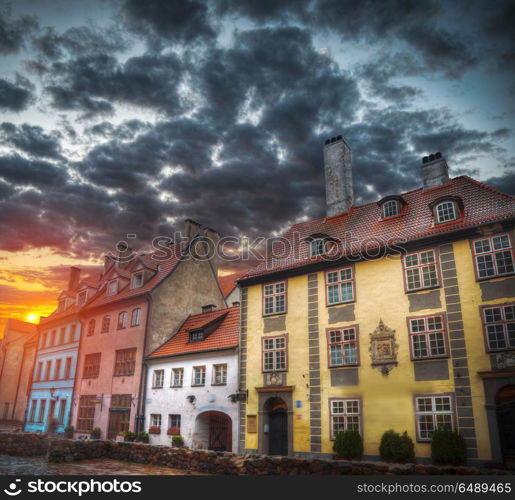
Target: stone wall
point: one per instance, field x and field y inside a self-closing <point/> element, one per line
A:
<point x="67" y="450"/>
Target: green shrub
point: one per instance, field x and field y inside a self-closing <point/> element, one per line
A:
<point x="68" y="431"/>
<point x="407" y="449"/>
<point x="142" y="437"/>
<point x="397" y="448"/>
<point x="348" y="444"/>
<point x="448" y="447"/>
<point x="95" y="433"/>
<point x="177" y="441"/>
<point x="129" y="436"/>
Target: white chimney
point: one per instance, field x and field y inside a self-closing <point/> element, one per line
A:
<point x="435" y="171"/>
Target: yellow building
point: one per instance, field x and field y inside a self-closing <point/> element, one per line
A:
<point x="397" y="315"/>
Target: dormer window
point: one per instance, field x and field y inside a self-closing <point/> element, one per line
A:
<point x="81" y="297"/>
<point x="316" y="247"/>
<point x="391" y="208"/>
<point x="60" y="305"/>
<point x="137" y="280"/>
<point x="446" y="209"/>
<point x="112" y="287"/>
<point x="196" y="335"/>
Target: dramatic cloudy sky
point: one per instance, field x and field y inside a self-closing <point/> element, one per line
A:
<point x="128" y="116"/>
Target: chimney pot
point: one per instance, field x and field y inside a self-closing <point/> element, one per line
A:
<point x="208" y="308"/>
<point x="425" y="159"/>
<point x="435" y="171"/>
<point x="236" y="303"/>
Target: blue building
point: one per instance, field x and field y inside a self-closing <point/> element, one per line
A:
<point x="51" y="393"/>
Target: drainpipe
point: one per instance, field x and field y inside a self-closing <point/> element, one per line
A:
<point x="82" y="323"/>
<point x="140" y="413"/>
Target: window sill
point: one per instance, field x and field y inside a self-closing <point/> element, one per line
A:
<point x="198" y="385"/>
<point x="221" y="383"/>
<point x="341" y="303"/>
<point x="175" y="386"/>
<point x="432" y="358"/>
<point x="497" y="276"/>
<point x="158" y="387"/>
<point x="123" y="375"/>
<point x="285" y="370"/>
<point x="274" y="314"/>
<point x="496" y="351"/>
<point x="343" y="366"/>
<point x="122" y="328"/>
<point x="434" y="287"/>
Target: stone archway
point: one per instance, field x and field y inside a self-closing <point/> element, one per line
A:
<point x="213" y="431"/>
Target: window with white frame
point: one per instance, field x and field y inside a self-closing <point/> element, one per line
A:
<point x="136" y="317"/>
<point x="155" y="420"/>
<point x="122" y="320"/>
<point x="420" y="270"/>
<point x="174" y="422"/>
<point x="446" y="211"/>
<point x="428" y="337"/>
<point x="345" y="415"/>
<point x="339" y="286"/>
<point x="199" y="375"/>
<point x="275" y="354"/>
<point x="158" y="379"/>
<point x="137" y="280"/>
<point x="274" y="298"/>
<point x="177" y="377"/>
<point x="499" y="325"/>
<point x="220" y="374"/>
<point x="343" y="346"/>
<point x="316" y="247"/>
<point x="493" y="256"/>
<point x="433" y="412"/>
<point x="112" y="287"/>
<point x="390" y="208"/>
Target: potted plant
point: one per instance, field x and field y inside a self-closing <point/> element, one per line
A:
<point x="129" y="436"/>
<point x="142" y="437"/>
<point x="95" y="433"/>
<point x="154" y="429"/>
<point x="68" y="432"/>
<point x="177" y="441"/>
<point x="173" y="431"/>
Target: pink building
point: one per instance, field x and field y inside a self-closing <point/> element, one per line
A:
<point x="139" y="302"/>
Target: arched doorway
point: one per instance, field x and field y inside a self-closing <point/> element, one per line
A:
<point x="213" y="430"/>
<point x="277" y="412"/>
<point x="505" y="410"/>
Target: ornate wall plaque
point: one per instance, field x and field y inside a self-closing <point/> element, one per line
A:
<point x="383" y="349"/>
<point x="274" y="379"/>
<point x="505" y="360"/>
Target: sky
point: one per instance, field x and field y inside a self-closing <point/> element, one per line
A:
<point x="123" y="116"/>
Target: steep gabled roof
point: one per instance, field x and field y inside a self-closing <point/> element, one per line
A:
<point x="20" y="326"/>
<point x="228" y="282"/>
<point x="226" y="335"/>
<point x="482" y="204"/>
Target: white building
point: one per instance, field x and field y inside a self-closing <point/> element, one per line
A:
<point x="190" y="380"/>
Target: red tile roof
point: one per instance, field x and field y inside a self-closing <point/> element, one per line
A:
<point x="228" y="282"/>
<point x="482" y="204"/>
<point x="20" y="326"/>
<point x="73" y="309"/>
<point x="226" y="336"/>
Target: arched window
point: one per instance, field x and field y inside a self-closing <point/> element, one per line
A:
<point x="106" y="320"/>
<point x="122" y="320"/>
<point x="135" y="317"/>
<point x="91" y="327"/>
<point x="446" y="211"/>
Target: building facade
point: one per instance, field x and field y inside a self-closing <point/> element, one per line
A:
<point x="17" y="354"/>
<point x="53" y="377"/>
<point x="139" y="300"/>
<point x="397" y="315"/>
<point x="192" y="381"/>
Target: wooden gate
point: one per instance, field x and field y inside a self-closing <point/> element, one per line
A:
<point x="220" y="431"/>
<point x="118" y="422"/>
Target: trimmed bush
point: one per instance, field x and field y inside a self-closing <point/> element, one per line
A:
<point x="396" y="448"/>
<point x="448" y="447"/>
<point x="407" y="449"/>
<point x="142" y="437"/>
<point x="129" y="436"/>
<point x="348" y="444"/>
<point x="177" y="441"/>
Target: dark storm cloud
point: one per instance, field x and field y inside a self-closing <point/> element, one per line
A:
<point x="13" y="97"/>
<point x="505" y="183"/>
<point x="173" y="20"/>
<point x="30" y="139"/>
<point x="23" y="172"/>
<point x="92" y="83"/>
<point x="14" y="30"/>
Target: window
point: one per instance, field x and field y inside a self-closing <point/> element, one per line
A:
<point x="316" y="247"/>
<point x="122" y="320"/>
<point x="68" y="368"/>
<point x="420" y="270"/>
<point x="73" y="328"/>
<point x="32" y="414"/>
<point x="274" y="354"/>
<point x="158" y="379"/>
<point x="274" y="298"/>
<point x="86" y="414"/>
<point x="499" y="325"/>
<point x="155" y="420"/>
<point x="91" y="365"/>
<point x="493" y="256"/>
<point x="174" y="422"/>
<point x="57" y="371"/>
<point x="60" y="305"/>
<point x="343" y="346"/>
<point x="106" y="320"/>
<point x="345" y="415"/>
<point x="62" y="336"/>
<point x="43" y="340"/>
<point x="48" y="369"/>
<point x="199" y="375"/>
<point x="137" y="280"/>
<point x="52" y="339"/>
<point x="42" y="408"/>
<point x="62" y="411"/>
<point x="135" y="317"/>
<point x="112" y="287"/>
<point x="177" y="377"/>
<point x="446" y="211"/>
<point x="390" y="208"/>
<point x="432" y="412"/>
<point x="220" y="374"/>
<point x="427" y="337"/>
<point x="339" y="286"/>
<point x="196" y="336"/>
<point x="81" y="297"/>
<point x="39" y="370"/>
<point x="125" y="362"/>
<point x="121" y="401"/>
<point x="91" y="327"/>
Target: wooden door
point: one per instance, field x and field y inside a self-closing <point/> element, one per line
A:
<point x="220" y="432"/>
<point x="278" y="432"/>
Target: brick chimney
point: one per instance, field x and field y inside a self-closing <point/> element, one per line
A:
<point x="339" y="192"/>
<point x="74" y="278"/>
<point x="435" y="171"/>
<point x="191" y="229"/>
